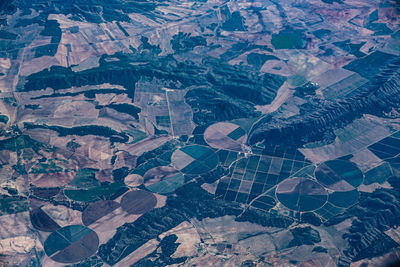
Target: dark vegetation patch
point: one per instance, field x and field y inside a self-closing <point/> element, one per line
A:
<point x="20" y="142"/>
<point x="353" y="49"/>
<point x="332" y="1"/>
<point x="3" y="118"/>
<point x="198" y="135"/>
<point x="12" y="204"/>
<point x="146" y="47"/>
<point x="98" y="130"/>
<point x="88" y="93"/>
<point x="73" y="29"/>
<point x="378" y="28"/>
<point x="307" y="89"/>
<point x="7" y="7"/>
<point x="46" y="50"/>
<point x="212" y="176"/>
<point x="321" y="33"/>
<point x="396" y="35"/>
<point x="7" y="35"/>
<point x="120" y="174"/>
<point x="289" y="39"/>
<point x="210" y="106"/>
<point x="311" y="218"/>
<point x="234" y="95"/>
<point x="233" y="21"/>
<point x="258" y="60"/>
<point x="52" y="29"/>
<point x="167" y="246"/>
<point x="184" y="42"/>
<point x="72" y="145"/>
<point x="40" y="20"/>
<point x="320" y="249"/>
<point x="122" y="29"/>
<point x="240" y="48"/>
<point x="11" y="191"/>
<point x="32" y="106"/>
<point x="52" y="196"/>
<point x="304" y="236"/>
<point x="123" y="108"/>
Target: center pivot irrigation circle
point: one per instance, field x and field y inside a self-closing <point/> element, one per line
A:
<point x="339" y="175"/>
<point x="194" y="159"/>
<point x="163" y="179"/>
<point x="301" y="194"/>
<point x="138" y="202"/>
<point x="225" y="135"/>
<point x="133" y="180"/>
<point x="98" y="210"/>
<point x="71" y="244"/>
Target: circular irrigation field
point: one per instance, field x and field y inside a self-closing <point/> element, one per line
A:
<point x="225" y="135"/>
<point x="138" y="202"/>
<point x="163" y="179"/>
<point x="71" y="244"/>
<point x="339" y="175"/>
<point x="344" y="199"/>
<point x="194" y="159"/>
<point x="97" y="210"/>
<point x="133" y="180"/>
<point x="301" y="194"/>
<point x="42" y="221"/>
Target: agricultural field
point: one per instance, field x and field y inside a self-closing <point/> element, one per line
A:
<point x="200" y="133"/>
